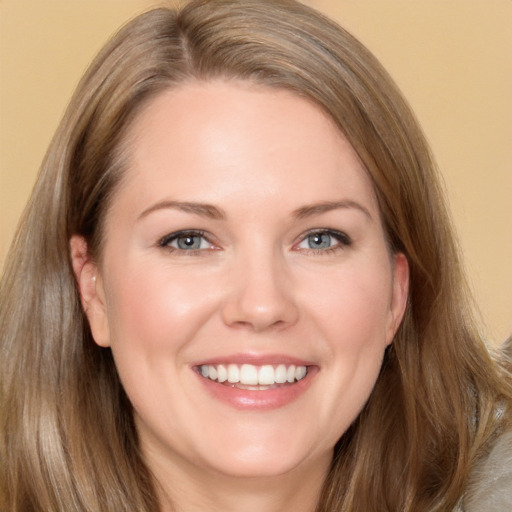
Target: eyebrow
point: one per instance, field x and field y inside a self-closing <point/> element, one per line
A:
<point x="202" y="209"/>
<point x="327" y="206"/>
<point x="213" y="212"/>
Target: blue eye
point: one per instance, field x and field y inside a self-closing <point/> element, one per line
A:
<point x="319" y="241"/>
<point x="185" y="241"/>
<point x="324" y="240"/>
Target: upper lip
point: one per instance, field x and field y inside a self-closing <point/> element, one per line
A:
<point x="255" y="359"/>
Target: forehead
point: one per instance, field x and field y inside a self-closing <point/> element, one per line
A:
<point x="243" y="140"/>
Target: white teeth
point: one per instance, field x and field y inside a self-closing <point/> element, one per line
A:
<point x="300" y="372"/>
<point x="248" y="375"/>
<point x="212" y="372"/>
<point x="251" y="375"/>
<point x="266" y="376"/>
<point x="233" y="373"/>
<point x="222" y="373"/>
<point x="281" y="374"/>
<point x="290" y="374"/>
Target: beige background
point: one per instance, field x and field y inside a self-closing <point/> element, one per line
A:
<point x="452" y="59"/>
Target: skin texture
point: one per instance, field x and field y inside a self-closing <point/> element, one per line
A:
<point x="254" y="289"/>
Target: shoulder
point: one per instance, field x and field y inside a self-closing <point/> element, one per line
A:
<point x="490" y="487"/>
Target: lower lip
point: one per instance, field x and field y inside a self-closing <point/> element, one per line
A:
<point x="256" y="399"/>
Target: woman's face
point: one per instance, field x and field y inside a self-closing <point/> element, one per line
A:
<point x="245" y="286"/>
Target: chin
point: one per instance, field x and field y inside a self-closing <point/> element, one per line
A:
<point x="269" y="456"/>
<point x="258" y="466"/>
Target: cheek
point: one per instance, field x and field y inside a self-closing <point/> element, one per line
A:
<point x="354" y="308"/>
<point x="352" y="317"/>
<point x="157" y="311"/>
<point x="154" y="319"/>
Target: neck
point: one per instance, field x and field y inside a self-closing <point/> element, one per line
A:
<point x="188" y="489"/>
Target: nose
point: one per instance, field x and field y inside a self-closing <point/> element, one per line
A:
<point x="260" y="295"/>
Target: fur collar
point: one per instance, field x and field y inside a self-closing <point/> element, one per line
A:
<point x="490" y="485"/>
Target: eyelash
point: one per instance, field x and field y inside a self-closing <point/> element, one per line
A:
<point x="342" y="239"/>
<point x="165" y="241"/>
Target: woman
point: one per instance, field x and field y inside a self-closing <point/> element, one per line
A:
<point x="236" y="286"/>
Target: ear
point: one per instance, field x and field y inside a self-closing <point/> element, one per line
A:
<point x="400" y="293"/>
<point x="92" y="293"/>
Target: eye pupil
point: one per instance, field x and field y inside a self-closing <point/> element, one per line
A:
<point x="319" y="241"/>
<point x="189" y="242"/>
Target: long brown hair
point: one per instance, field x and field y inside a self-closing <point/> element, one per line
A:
<point x="68" y="440"/>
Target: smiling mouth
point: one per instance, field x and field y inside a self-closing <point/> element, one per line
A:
<point x="248" y="376"/>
